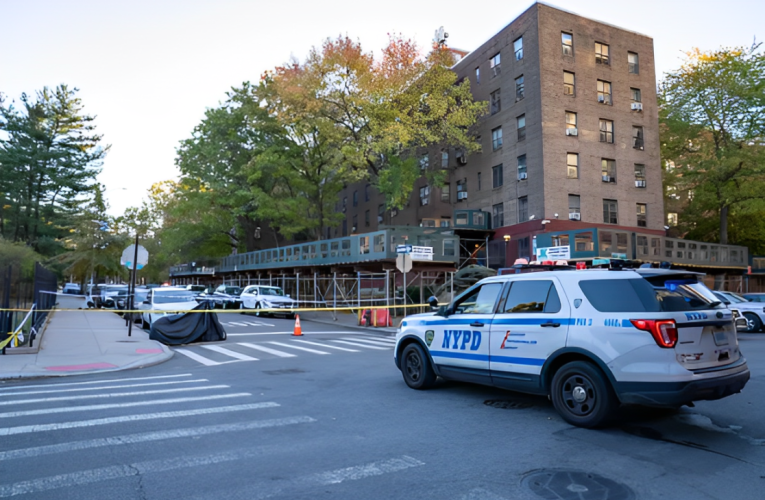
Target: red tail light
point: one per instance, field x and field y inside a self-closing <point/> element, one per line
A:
<point x="664" y="332"/>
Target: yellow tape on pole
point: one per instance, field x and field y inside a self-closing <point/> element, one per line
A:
<point x="13" y="335"/>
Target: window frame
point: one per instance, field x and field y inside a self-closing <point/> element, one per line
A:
<point x="522" y="167"/>
<point x="601" y="87"/>
<point x="495" y="101"/>
<point x="633" y="68"/>
<point x="571" y="85"/>
<point x="634" y="91"/>
<point x="520" y="89"/>
<point x="523" y="209"/>
<point x="569" y="166"/>
<point x="640" y="180"/>
<point x="569" y="123"/>
<point x="606" y="128"/>
<point x="642" y="216"/>
<point x="498" y="215"/>
<point x="608" y="214"/>
<point x="564" y="45"/>
<point x="518" y="50"/>
<point x="638" y="138"/>
<point x="600" y="58"/>
<point x="497" y="176"/>
<point x="521" y="129"/>
<point x="608" y="169"/>
<point x="575" y="209"/>
<point x="496" y="138"/>
<point x="495" y="64"/>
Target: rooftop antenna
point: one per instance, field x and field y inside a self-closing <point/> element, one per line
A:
<point x="440" y="37"/>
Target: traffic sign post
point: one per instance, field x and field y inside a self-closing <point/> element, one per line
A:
<point x="134" y="257"/>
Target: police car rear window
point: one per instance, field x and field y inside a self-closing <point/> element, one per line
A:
<point x="623" y="295"/>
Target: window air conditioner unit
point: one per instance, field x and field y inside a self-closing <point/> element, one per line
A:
<point x="353" y="229"/>
<point x="393" y="213"/>
<point x="637" y="106"/>
<point x="379" y="219"/>
<point x="462" y="160"/>
<point x="601" y="98"/>
<point x="462" y="195"/>
<point x="424" y="201"/>
<point x="522" y="176"/>
<point x="572" y="131"/>
<point x="606" y="178"/>
<point x="575" y="216"/>
<point x="640" y="184"/>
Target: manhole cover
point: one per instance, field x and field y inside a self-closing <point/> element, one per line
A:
<point x="573" y="485"/>
<point x="508" y="404"/>
<point x="283" y="372"/>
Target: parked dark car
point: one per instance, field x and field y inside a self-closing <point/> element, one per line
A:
<point x="226" y="297"/>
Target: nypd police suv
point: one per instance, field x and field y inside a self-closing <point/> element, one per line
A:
<point x="591" y="340"/>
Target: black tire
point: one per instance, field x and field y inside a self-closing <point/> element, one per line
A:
<point x="582" y="395"/>
<point x="416" y="368"/>
<point x="753" y="322"/>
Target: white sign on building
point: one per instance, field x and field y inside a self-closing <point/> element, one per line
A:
<point x="554" y="253"/>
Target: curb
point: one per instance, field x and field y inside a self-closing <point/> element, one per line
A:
<point x="152" y="360"/>
<point x="389" y="332"/>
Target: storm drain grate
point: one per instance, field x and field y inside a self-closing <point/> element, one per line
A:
<point x="508" y="404"/>
<point x="574" y="485"/>
<point x="283" y="372"/>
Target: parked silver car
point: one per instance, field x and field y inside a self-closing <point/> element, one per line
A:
<point x="754" y="312"/>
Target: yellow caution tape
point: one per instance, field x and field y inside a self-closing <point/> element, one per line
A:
<point x="227" y="311"/>
<point x="13" y="336"/>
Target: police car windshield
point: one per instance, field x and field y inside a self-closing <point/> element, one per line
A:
<point x="654" y="294"/>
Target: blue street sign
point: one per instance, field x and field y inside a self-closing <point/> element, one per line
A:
<point x="404" y="249"/>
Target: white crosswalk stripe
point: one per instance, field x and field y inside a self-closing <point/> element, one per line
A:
<point x="229" y="352"/>
<point x="196" y="357"/>
<point x="372" y="342"/>
<point x="91" y="382"/>
<point x="111" y="395"/>
<point x="326" y="346"/>
<point x="315" y="351"/>
<point x="365" y="346"/>
<point x="280" y="354"/>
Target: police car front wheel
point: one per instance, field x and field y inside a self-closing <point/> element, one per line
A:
<point x="582" y="395"/>
<point x="415" y="365"/>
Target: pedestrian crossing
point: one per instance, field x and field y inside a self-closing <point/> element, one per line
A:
<point x="245" y="323"/>
<point x="236" y="352"/>
<point x="58" y="444"/>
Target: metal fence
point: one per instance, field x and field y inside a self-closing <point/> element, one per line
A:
<point x="26" y="296"/>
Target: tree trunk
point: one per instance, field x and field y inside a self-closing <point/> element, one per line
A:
<point x="724" y="224"/>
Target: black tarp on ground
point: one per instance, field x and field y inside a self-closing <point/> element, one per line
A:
<point x="189" y="327"/>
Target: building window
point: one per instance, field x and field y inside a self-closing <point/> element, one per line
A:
<point x="521" y="121"/>
<point x="635" y="94"/>
<point x="479" y="181"/>
<point x="445" y="192"/>
<point x="366" y="192"/>
<point x="642" y="220"/>
<point x="574" y="205"/>
<point x="380" y="213"/>
<point x="478" y="76"/>
<point x="355" y="198"/>
<point x="608" y="170"/>
<point x="498" y="215"/>
<point x="610" y="212"/>
<point x="366" y="218"/>
<point x="606" y="131"/>
<point x="601" y="53"/>
<point x="461" y="190"/>
<point x="424" y="195"/>
<point x="572" y="165"/>
<point x="444" y="159"/>
<point x="583" y="242"/>
<point x="520" y="91"/>
<point x="345" y="203"/>
<point x="523" y="248"/>
<point x="496" y="102"/>
<point x="495" y="64"/>
<point x="496" y="138"/>
<point x="355" y="225"/>
<point x="567" y="41"/>
<point x="560" y="240"/>
<point x="518" y="47"/>
<point x="522" y="174"/>
<point x="637" y="137"/>
<point x="632" y="61"/>
<point x="604" y="92"/>
<point x="424" y="161"/>
<point x="569" y="83"/>
<point x="523" y="209"/>
<point x="672" y="219"/>
<point x="639" y="176"/>
<point x="570" y="122"/>
<point x="496" y="176"/>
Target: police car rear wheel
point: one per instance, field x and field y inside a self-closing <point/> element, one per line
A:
<point x="418" y="374"/>
<point x="582" y="395"/>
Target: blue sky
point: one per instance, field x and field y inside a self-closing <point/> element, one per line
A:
<point x="148" y="69"/>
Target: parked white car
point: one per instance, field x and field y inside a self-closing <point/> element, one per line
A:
<point x="259" y="297"/>
<point x="171" y="299"/>
<point x="754" y="312"/>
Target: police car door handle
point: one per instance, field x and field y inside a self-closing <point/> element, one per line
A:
<point x="551" y="324"/>
<point x="476" y="323"/>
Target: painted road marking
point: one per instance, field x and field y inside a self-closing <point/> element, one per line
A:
<point x="93" y="382"/>
<point x="248" y="334"/>
<point x="155" y="466"/>
<point x="299" y="348"/>
<point x="112" y="395"/>
<point x="327" y="346"/>
<point x="281" y="354"/>
<point x="366" y="346"/>
<point x="172" y="382"/>
<point x="197" y="357"/>
<point x="68" y="409"/>
<point x="372" y="342"/>
<point x="150" y="436"/>
<point x="229" y="353"/>
<point x="237" y="324"/>
<point x="25" y="429"/>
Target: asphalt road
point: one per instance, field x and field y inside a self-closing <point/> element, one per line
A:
<point x="296" y="424"/>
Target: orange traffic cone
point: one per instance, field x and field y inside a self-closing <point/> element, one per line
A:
<point x="297" y="332"/>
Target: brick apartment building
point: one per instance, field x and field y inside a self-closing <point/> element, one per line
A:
<point x="572" y="137"/>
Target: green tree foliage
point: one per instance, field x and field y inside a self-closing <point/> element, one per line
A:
<point x="17" y="255"/>
<point x="49" y="155"/>
<point x="712" y="129"/>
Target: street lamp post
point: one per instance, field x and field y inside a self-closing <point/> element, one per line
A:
<point x="507" y="240"/>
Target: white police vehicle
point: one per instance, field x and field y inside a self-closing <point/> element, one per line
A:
<point x="589" y="339"/>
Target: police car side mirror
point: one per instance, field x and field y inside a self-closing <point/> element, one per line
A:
<point x="433" y="301"/>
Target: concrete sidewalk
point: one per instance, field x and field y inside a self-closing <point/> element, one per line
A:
<point x="80" y="342"/>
